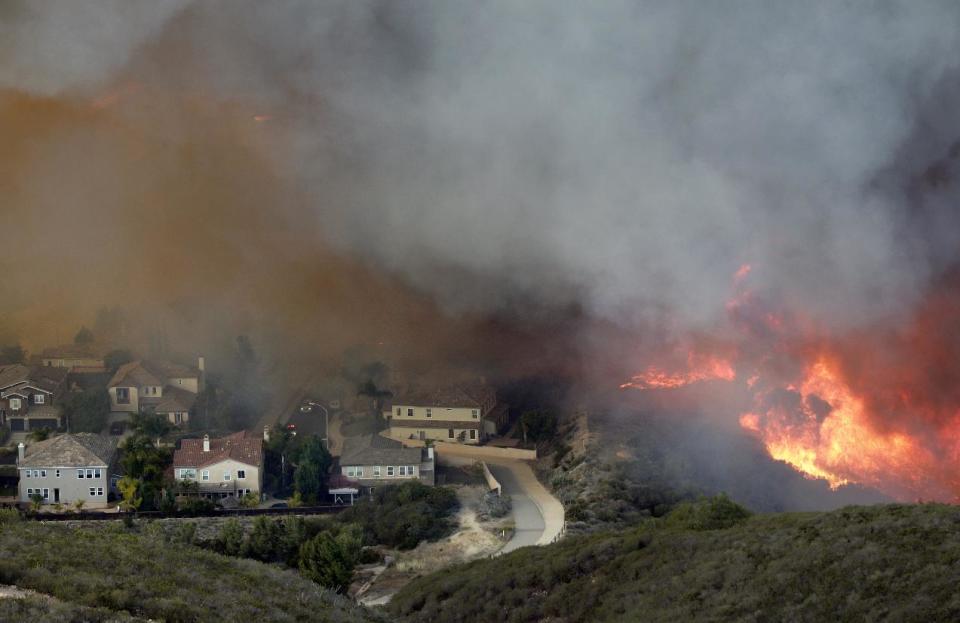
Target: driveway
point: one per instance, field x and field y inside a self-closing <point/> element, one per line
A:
<point x="538" y="516"/>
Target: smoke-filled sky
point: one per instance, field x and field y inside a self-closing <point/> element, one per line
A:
<point x="628" y="156"/>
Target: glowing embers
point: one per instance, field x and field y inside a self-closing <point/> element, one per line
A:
<point x="700" y="367"/>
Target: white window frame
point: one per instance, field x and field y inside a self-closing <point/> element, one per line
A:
<point x="14" y="404"/>
<point x="38" y="399"/>
<point x="241" y="474"/>
<point x="46" y="494"/>
<point x="80" y="473"/>
<point x="205" y="474"/>
<point x="473" y="433"/>
<point x="58" y="473"/>
<point x="93" y="491"/>
<point x="188" y="473"/>
<point x="451" y="433"/>
<point x="89" y="473"/>
<point x="43" y="473"/>
<point x="475" y="413"/>
<point x="376" y="471"/>
<point x="96" y="473"/>
<point x="410" y="412"/>
<point x="390" y="470"/>
<point x="429" y="412"/>
<point x="226" y="476"/>
<point x="99" y="491"/>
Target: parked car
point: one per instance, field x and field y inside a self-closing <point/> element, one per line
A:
<point x="291" y="426"/>
<point x="279" y="505"/>
<point x="306" y="407"/>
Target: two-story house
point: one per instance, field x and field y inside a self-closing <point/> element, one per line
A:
<point x="77" y="358"/>
<point x="68" y="469"/>
<point x="156" y="387"/>
<point x="231" y="466"/>
<point x="455" y="414"/>
<point x="373" y="461"/>
<point x="29" y="396"/>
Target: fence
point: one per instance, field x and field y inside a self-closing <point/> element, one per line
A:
<point x="236" y="512"/>
<point x="475" y="452"/>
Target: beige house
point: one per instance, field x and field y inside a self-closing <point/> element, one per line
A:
<point x="156" y="387"/>
<point x="68" y="469"/>
<point x="372" y="461"/>
<point x="78" y="358"/>
<point x="231" y="466"/>
<point x="454" y="414"/>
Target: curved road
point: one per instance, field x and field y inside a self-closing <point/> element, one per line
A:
<point x="538" y="516"/>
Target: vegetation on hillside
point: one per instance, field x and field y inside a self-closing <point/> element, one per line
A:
<point x="104" y="566"/>
<point x="710" y="561"/>
<point x="403" y="515"/>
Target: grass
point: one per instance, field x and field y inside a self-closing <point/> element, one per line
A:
<point x="108" y="568"/>
<point x="882" y="563"/>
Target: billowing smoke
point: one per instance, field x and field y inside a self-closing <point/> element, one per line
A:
<point x="355" y="170"/>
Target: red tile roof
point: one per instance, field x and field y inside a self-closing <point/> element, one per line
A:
<point x="243" y="447"/>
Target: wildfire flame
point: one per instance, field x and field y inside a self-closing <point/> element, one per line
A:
<point x="876" y="408"/>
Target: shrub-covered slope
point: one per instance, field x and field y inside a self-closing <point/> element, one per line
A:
<point x="149" y="578"/>
<point x="881" y="563"/>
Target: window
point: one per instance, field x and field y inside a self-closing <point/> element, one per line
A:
<point x="355" y="471"/>
<point x="402" y="470"/>
<point x="389" y="470"/>
<point x="89" y="473"/>
<point x="376" y="470"/>
<point x="46" y="494"/>
<point x="38" y="399"/>
<point x="411" y="470"/>
<point x="398" y="411"/>
<point x="58" y="473"/>
<point x="15" y="404"/>
<point x="473" y="433"/>
<point x="27" y="474"/>
<point x="29" y="491"/>
<point x="475" y="413"/>
<point x="123" y="395"/>
<point x="43" y="473"/>
<point x="409" y="412"/>
<point x="188" y="473"/>
<point x="79" y="473"/>
<point x="429" y="412"/>
<point x="95" y="491"/>
<point x="99" y="491"/>
<point x="241" y="474"/>
<point x="178" y="418"/>
<point x="205" y="474"/>
<point x="96" y="473"/>
<point x="450" y="434"/>
<point x="226" y="476"/>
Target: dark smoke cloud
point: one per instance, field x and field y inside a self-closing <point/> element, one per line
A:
<point x="626" y="155"/>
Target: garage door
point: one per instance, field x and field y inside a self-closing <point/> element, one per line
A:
<point x="16" y="424"/>
<point x="42" y="423"/>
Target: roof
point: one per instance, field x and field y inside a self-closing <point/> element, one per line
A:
<point x="473" y="396"/>
<point x="133" y="374"/>
<point x="175" y="399"/>
<point x="80" y="450"/>
<point x="242" y="447"/>
<point x="74" y="351"/>
<point x="421" y="423"/>
<point x="42" y="377"/>
<point x="377" y="450"/>
<point x="174" y="370"/>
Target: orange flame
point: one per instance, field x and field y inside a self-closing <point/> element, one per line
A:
<point x="699" y="368"/>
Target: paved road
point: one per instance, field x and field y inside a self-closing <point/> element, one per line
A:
<point x="527" y="519"/>
<point x="538" y="516"/>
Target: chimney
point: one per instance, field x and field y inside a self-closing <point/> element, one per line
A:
<point x="201" y="363"/>
<point x="266" y="433"/>
<point x="206" y="443"/>
<point x="20" y="451"/>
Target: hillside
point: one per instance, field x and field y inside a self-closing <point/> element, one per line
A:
<point x="881" y="563"/>
<point x="108" y="569"/>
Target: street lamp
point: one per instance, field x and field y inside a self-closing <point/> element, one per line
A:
<point x="326" y="425"/>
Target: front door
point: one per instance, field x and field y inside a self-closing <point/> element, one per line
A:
<point x="56" y="495"/>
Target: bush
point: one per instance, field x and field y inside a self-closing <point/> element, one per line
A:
<point x="403" y="515"/>
<point x="716" y="513"/>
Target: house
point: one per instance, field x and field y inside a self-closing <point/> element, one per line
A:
<point x="29" y="396"/>
<point x="156" y="387"/>
<point x="231" y="466"/>
<point x="455" y="413"/>
<point x="77" y="358"/>
<point x="67" y="469"/>
<point x="372" y="461"/>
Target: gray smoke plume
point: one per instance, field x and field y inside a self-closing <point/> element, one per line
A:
<point x="628" y="156"/>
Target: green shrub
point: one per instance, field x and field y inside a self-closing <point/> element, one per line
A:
<point x="716" y="513"/>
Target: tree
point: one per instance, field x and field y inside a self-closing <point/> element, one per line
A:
<point x="128" y="488"/>
<point x="12" y="354"/>
<point x="146" y="463"/>
<point x="230" y="539"/>
<point x="116" y="358"/>
<point x="88" y="411"/>
<point x="538" y="425"/>
<point x="152" y="425"/>
<point x="40" y="434"/>
<point x="83" y="336"/>
<point x="329" y="561"/>
<point x="313" y="463"/>
<point x="79" y="505"/>
<point x="36" y="500"/>
<point x="266" y="542"/>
